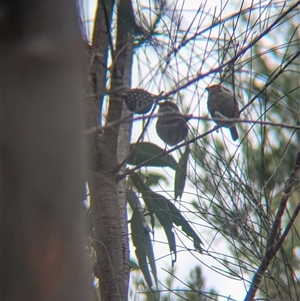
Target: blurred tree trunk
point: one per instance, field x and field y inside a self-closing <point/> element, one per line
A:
<point x="42" y="153"/>
<point x="108" y="148"/>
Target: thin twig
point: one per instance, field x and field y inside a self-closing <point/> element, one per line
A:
<point x="94" y="130"/>
<point x="239" y="54"/>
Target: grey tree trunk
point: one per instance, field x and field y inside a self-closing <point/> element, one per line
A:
<point x="107" y="149"/>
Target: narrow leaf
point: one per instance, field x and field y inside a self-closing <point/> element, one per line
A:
<point x="180" y="175"/>
<point x="143" y="246"/>
<point x="133" y="265"/>
<point x="144" y="151"/>
<point x="132" y="199"/>
<point x="167" y="214"/>
<point x="158" y="204"/>
<point x="144" y="190"/>
<point x="179" y="220"/>
<point x="154" y="178"/>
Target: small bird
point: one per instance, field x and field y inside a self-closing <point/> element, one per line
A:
<point x="171" y="127"/>
<point x="139" y="101"/>
<point x="221" y="103"/>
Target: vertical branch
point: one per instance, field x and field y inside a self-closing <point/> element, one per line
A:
<point x="102" y="157"/>
<point x="107" y="198"/>
<point x="123" y="150"/>
<point x="122" y="77"/>
<point x="97" y="63"/>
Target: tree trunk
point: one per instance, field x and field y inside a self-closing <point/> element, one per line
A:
<point x="43" y="166"/>
<point x="106" y="151"/>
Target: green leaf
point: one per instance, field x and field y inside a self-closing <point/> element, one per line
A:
<point x="180" y="175"/>
<point x="144" y="151"/>
<point x="167" y="214"/>
<point x="132" y="199"/>
<point x="153" y="179"/>
<point x="140" y="186"/>
<point x="133" y="265"/>
<point x="158" y="204"/>
<point x="179" y="220"/>
<point x="144" y="190"/>
<point x="143" y="246"/>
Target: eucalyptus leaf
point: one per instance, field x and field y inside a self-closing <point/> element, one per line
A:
<point x="143" y="151"/>
<point x="133" y="264"/>
<point x="153" y="179"/>
<point x="167" y="214"/>
<point x="144" y="190"/>
<point x="132" y="199"/>
<point x="179" y="220"/>
<point x="180" y="175"/>
<point x="143" y="247"/>
<point x="158" y="204"/>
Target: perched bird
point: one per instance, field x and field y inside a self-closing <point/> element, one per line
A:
<point x="171" y="127"/>
<point x="139" y="101"/>
<point x="221" y="103"/>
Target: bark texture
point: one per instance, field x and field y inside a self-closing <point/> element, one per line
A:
<point x="107" y="195"/>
